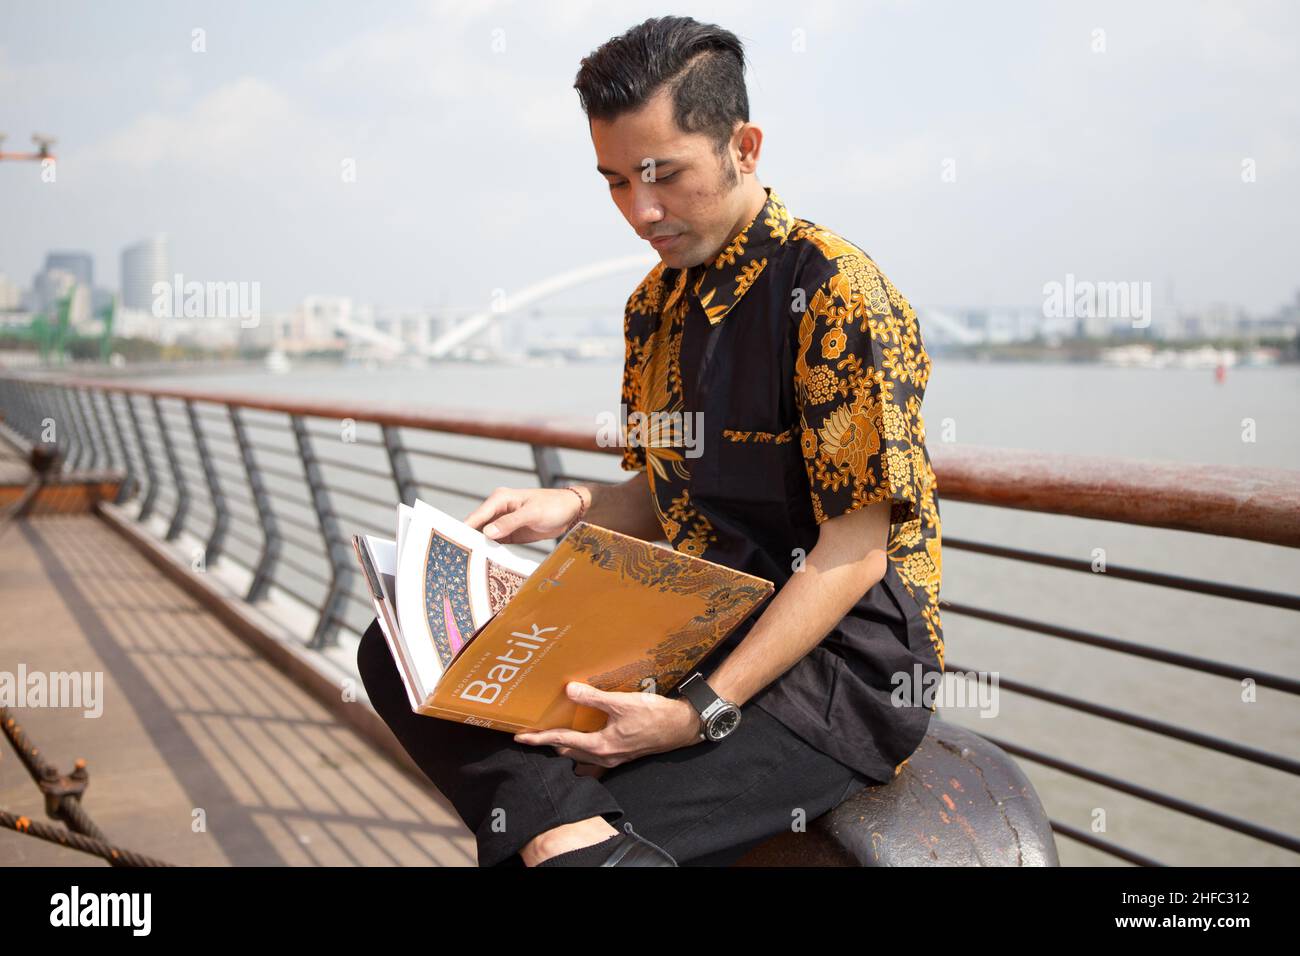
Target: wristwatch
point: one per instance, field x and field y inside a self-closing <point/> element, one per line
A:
<point x="718" y="717"/>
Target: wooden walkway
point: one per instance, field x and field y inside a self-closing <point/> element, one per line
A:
<point x="204" y="754"/>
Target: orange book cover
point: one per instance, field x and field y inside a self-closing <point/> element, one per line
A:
<point x="604" y="608"/>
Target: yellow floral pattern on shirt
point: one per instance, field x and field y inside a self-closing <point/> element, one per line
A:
<point x="860" y="376"/>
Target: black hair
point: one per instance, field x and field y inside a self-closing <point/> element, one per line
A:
<point x="702" y="65"/>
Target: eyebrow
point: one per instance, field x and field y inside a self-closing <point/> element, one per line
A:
<point x="657" y="163"/>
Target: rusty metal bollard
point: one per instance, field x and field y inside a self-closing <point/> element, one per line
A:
<point x="959" y="800"/>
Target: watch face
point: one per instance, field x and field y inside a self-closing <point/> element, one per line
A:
<point x="724" y="723"/>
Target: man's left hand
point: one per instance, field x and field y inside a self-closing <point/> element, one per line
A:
<point x="639" y="723"/>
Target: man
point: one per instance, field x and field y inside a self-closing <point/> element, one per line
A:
<point x="806" y="368"/>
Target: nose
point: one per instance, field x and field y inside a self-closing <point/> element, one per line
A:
<point x="646" y="209"/>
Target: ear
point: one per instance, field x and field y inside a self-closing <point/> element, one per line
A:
<point x="749" y="145"/>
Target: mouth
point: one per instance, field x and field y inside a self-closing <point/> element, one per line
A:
<point x="663" y="242"/>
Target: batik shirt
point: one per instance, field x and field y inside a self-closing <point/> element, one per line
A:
<point x="787" y="376"/>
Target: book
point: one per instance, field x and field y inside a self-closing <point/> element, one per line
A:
<point x="483" y="635"/>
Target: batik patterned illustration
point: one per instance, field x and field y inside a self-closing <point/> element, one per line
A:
<point x="725" y="603"/>
<point x="502" y="584"/>
<point x="446" y="596"/>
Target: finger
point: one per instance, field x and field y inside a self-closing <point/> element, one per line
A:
<point x="499" y="502"/>
<point x="562" y="738"/>
<point x="589" y="696"/>
<point x="510" y="528"/>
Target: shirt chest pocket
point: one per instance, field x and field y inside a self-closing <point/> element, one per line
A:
<point x="747" y="465"/>
<point x="751" y="434"/>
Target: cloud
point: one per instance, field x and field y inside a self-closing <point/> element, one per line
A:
<point x="246" y="128"/>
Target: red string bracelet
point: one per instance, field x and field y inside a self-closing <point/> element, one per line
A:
<point x="581" y="511"/>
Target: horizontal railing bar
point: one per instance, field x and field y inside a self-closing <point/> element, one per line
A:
<point x="335" y="431"/>
<point x="467" y="460"/>
<point x="294" y="521"/>
<point x="264" y="425"/>
<point x="281" y="499"/>
<point x="194" y="478"/>
<point x="369" y="499"/>
<point x="275" y="450"/>
<point x="1255" y="504"/>
<point x="288" y="476"/>
<point x="1196" y="738"/>
<point x="368" y="526"/>
<point x="448" y="490"/>
<point x="1267" y="835"/>
<point x="587" y="479"/>
<point x="1202" y="664"/>
<point x="320" y="575"/>
<point x="233" y="483"/>
<point x="228" y="459"/>
<point x="364" y="442"/>
<point x="202" y="507"/>
<point x="249" y="512"/>
<point x="216" y="412"/>
<point x="185" y="454"/>
<point x="1176" y="581"/>
<point x="315" y="547"/>
<point x="359" y="469"/>
<point x="1260" y="504"/>
<point x="253" y="543"/>
<point x="1114" y="849"/>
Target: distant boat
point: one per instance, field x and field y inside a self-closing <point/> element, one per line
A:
<point x="277" y="362"/>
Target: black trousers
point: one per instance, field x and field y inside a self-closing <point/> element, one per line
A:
<point x="706" y="804"/>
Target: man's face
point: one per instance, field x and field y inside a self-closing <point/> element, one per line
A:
<point x="690" y="195"/>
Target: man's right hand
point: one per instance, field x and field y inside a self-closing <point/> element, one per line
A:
<point x="521" y="515"/>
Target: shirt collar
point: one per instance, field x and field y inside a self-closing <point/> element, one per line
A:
<point x="722" y="283"/>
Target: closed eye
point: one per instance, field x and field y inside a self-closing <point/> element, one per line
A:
<point x="658" y="179"/>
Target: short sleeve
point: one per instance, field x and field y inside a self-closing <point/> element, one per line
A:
<point x="860" y="375"/>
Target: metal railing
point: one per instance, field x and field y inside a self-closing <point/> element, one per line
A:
<point x="262" y="483"/>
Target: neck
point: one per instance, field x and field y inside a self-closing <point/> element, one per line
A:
<point x="755" y="200"/>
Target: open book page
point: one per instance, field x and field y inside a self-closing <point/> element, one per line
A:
<point x="404" y="515"/>
<point x="379" y="562"/>
<point x="450" y="581"/>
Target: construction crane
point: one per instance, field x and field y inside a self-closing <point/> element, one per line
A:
<point x="43" y="145"/>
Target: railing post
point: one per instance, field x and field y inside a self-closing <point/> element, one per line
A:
<point x="340" y="565"/>
<point x="221" y="517"/>
<point x="72" y="438"/>
<point x="81" y="398"/>
<point x="34" y="394"/>
<point x="262" y="502"/>
<point x="132" y="481"/>
<point x="151" y="473"/>
<point x="93" y="395"/>
<point x="17" y="418"/>
<point x="178" y="478"/>
<point x="13" y="403"/>
<point x="400" y="464"/>
<point x="546" y="462"/>
<point x="84" y="451"/>
<point x="21" y="422"/>
<point x="37" y="400"/>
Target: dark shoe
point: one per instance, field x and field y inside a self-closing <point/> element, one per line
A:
<point x="632" y="849"/>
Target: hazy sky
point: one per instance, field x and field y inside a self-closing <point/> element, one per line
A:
<point x="475" y="170"/>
